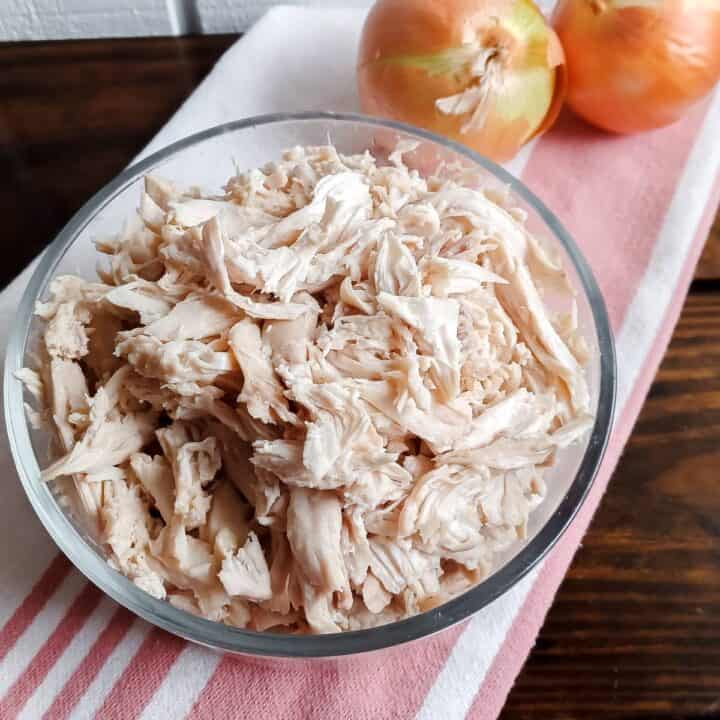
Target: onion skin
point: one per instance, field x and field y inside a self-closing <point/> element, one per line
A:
<point x="638" y="66"/>
<point x="397" y="79"/>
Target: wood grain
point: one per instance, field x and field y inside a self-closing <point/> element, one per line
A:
<point x="709" y="265"/>
<point x="635" y="629"/>
<point x="73" y="114"/>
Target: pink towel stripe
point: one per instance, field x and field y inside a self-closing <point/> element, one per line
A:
<point x="365" y="687"/>
<point x="85" y="673"/>
<point x="142" y="677"/>
<point x="511" y="657"/>
<point x="74" y="619"/>
<point x="50" y="580"/>
<point x="619" y="247"/>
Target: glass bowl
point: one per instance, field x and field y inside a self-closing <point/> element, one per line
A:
<point x="207" y="159"/>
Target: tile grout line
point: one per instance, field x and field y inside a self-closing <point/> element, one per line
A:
<point x="183" y="17"/>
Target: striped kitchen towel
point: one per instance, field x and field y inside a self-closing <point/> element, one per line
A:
<point x="640" y="208"/>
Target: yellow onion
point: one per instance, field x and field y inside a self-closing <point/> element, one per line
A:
<point x="487" y="73"/>
<point x="638" y="64"/>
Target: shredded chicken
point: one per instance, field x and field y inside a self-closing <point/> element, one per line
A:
<point x="321" y="400"/>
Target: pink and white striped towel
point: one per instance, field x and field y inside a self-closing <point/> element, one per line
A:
<point x="640" y="208"/>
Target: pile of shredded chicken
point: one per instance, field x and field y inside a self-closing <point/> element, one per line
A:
<point x="320" y="401"/>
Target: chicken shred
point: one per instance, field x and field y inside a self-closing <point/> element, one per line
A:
<point x="320" y="400"/>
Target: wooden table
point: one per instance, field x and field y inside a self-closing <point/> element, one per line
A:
<point x="635" y="629"/>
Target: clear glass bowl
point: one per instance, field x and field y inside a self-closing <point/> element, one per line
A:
<point x="208" y="159"/>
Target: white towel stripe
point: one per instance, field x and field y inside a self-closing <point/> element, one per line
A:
<point x="181" y="687"/>
<point x="36" y="635"/>
<point x="66" y="664"/>
<point x="112" y="669"/>
<point x="644" y="317"/>
<point x="517" y="164"/>
<point x="456" y="685"/>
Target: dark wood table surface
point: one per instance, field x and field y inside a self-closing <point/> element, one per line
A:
<point x="635" y="629"/>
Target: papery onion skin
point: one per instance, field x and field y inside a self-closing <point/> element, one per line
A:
<point x="402" y="68"/>
<point x="635" y="66"/>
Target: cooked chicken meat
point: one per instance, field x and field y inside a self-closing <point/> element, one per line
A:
<point x="321" y="400"/>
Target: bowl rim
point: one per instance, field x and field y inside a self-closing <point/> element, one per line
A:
<point x="205" y="632"/>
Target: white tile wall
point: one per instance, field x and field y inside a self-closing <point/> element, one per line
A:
<point x="58" y="19"/>
<point x="217" y="16"/>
